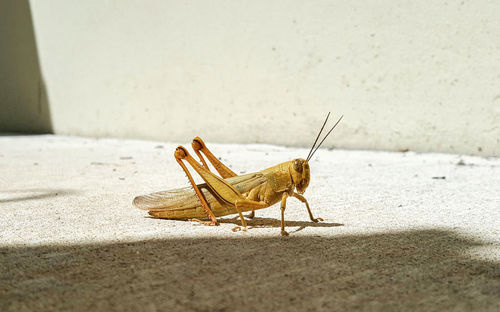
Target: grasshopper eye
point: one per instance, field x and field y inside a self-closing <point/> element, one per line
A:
<point x="297" y="165"/>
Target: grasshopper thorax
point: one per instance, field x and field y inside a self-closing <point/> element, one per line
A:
<point x="301" y="174"/>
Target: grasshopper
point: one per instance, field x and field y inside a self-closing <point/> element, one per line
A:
<point x="231" y="193"/>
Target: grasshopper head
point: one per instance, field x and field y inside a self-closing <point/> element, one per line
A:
<point x="299" y="168"/>
<point x="301" y="174"/>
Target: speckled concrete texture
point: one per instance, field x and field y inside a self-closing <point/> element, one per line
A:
<point x="402" y="232"/>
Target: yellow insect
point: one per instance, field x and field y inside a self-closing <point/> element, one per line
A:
<point x="230" y="193"/>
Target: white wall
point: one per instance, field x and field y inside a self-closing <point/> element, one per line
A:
<point x="423" y="75"/>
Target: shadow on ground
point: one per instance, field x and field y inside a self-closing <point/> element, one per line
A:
<point x="270" y="222"/>
<point x="8" y="196"/>
<point x="428" y="270"/>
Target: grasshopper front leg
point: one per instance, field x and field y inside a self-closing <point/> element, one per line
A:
<point x="283" y="207"/>
<point x="303" y="199"/>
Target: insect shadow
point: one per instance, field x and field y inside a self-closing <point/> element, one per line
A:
<point x="271" y="222"/>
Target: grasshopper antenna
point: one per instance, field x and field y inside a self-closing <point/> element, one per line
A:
<point x="309" y="157"/>
<point x="321" y="130"/>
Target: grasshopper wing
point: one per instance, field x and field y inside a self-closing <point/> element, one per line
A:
<point x="178" y="198"/>
<point x="183" y="199"/>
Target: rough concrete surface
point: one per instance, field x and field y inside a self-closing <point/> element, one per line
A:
<point x="402" y="231"/>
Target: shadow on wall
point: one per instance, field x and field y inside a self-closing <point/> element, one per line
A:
<point x="425" y="270"/>
<point x="24" y="103"/>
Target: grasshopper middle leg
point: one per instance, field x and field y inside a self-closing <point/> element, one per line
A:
<point x="244" y="204"/>
<point x="283" y="207"/>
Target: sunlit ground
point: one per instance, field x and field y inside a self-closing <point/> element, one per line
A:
<point x="402" y="231"/>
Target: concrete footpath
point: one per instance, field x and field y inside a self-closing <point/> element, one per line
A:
<point x="401" y="232"/>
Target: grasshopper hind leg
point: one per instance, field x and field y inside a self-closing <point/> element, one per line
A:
<point x="251" y="215"/>
<point x="199" y="146"/>
<point x="224" y="189"/>
<point x="180" y="154"/>
<point x="204" y="222"/>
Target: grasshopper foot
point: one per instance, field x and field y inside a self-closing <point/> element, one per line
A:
<point x="284" y="233"/>
<point x="209" y="223"/>
<point x="237" y="229"/>
<point x="317" y="220"/>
